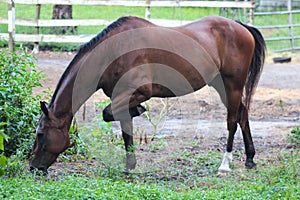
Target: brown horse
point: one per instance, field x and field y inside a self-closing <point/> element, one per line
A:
<point x="133" y="60"/>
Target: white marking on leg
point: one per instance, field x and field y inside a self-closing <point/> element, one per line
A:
<point x="227" y="158"/>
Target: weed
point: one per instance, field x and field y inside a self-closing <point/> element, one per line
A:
<point x="157" y="119"/>
<point x="160" y="144"/>
<point x="294" y="136"/>
<point x="281" y="104"/>
<point x="78" y="150"/>
<point x="105" y="146"/>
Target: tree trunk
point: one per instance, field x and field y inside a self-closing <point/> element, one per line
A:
<point x="63" y="12"/>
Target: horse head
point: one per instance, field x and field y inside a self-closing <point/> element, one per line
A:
<point x="52" y="138"/>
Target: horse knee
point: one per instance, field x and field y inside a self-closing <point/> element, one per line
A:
<point x="143" y="93"/>
<point x="107" y="114"/>
<point x="135" y="111"/>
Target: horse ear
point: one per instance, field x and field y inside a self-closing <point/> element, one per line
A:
<point x="44" y="108"/>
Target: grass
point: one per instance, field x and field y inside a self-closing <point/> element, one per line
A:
<point x="184" y="174"/>
<point x="278" y="179"/>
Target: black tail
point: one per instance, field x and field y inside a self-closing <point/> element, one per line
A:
<point x="257" y="64"/>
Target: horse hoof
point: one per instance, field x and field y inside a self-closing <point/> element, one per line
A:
<point x="223" y="172"/>
<point x="250" y="165"/>
<point x="130" y="161"/>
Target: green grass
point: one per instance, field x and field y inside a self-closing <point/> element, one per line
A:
<point x="275" y="180"/>
<point x="182" y="174"/>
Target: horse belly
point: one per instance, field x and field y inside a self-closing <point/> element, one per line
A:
<point x="172" y="83"/>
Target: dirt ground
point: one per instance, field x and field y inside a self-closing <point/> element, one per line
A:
<point x="200" y="116"/>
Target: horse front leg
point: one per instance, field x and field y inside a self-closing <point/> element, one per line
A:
<point x="127" y="133"/>
<point x="123" y="108"/>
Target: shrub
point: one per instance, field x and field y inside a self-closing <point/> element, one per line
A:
<point x="19" y="109"/>
<point x="3" y="159"/>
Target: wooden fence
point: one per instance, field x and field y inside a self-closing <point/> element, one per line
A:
<point x="12" y="21"/>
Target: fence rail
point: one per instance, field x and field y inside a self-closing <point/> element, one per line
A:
<point x="215" y="4"/>
<point x="291" y="25"/>
<point x="94" y="22"/>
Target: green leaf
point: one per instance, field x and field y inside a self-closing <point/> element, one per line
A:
<point x="3" y="161"/>
<point x="1" y="143"/>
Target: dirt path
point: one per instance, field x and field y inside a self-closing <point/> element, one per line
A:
<point x="275" y="110"/>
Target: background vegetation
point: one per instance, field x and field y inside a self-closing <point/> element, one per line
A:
<point x="113" y="12"/>
<point x="19" y="110"/>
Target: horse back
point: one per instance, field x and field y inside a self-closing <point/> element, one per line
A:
<point x="226" y="40"/>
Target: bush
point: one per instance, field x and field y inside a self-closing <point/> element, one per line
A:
<point x="3" y="159"/>
<point x="19" y="109"/>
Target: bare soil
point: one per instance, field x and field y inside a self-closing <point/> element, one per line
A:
<point x="197" y="122"/>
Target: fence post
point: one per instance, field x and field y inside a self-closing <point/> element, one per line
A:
<point x="37" y="28"/>
<point x="11" y="25"/>
<point x="291" y="23"/>
<point x="251" y="21"/>
<point x="148" y="12"/>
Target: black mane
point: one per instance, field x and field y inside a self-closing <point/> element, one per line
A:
<point x="85" y="48"/>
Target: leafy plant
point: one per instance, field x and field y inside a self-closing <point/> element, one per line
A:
<point x="106" y="147"/>
<point x="19" y="109"/>
<point x="160" y="144"/>
<point x="3" y="159"/>
<point x="294" y="136"/>
<point x="78" y="148"/>
<point x="105" y="127"/>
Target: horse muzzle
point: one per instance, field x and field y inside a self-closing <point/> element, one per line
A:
<point x="41" y="168"/>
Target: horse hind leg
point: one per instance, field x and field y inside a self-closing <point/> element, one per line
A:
<point x="231" y="127"/>
<point x="231" y="98"/>
<point x="249" y="146"/>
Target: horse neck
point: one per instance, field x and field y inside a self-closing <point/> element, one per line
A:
<point x="83" y="77"/>
<point x="75" y="89"/>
